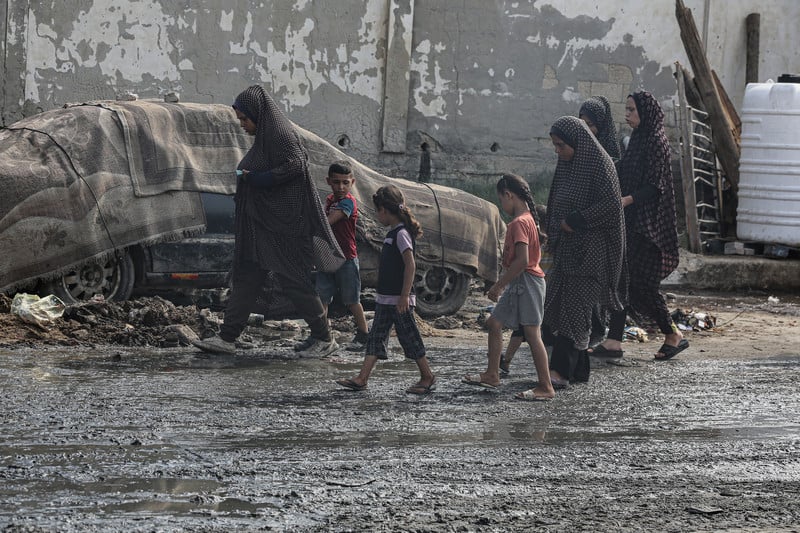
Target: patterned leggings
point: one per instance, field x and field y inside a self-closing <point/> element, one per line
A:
<point x="644" y="299"/>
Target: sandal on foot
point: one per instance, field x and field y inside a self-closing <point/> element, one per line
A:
<point x="350" y="384"/>
<point x="602" y="351"/>
<point x="559" y="383"/>
<point x="420" y="389"/>
<point x="671" y="351"/>
<point x="476" y="380"/>
<point x="531" y="396"/>
<point x="504" y="369"/>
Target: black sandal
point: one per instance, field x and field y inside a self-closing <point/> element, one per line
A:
<point x="602" y="351"/>
<point x="671" y="351"/>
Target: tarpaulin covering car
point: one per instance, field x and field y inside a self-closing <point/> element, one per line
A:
<point x="89" y="190"/>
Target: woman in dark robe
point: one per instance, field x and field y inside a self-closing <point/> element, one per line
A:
<point x="281" y="230"/>
<point x="645" y="176"/>
<point x="587" y="243"/>
<point x="596" y="113"/>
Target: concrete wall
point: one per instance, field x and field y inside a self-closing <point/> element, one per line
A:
<point x="469" y="87"/>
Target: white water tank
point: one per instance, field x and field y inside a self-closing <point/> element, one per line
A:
<point x="769" y="167"/>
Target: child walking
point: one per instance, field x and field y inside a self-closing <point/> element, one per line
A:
<point x="394" y="302"/>
<point x="519" y="292"/>
<point x="341" y="209"/>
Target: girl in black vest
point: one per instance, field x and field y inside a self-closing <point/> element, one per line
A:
<point x="395" y="300"/>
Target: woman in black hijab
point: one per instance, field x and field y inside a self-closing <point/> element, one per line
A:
<point x="645" y="176"/>
<point x="587" y="243"/>
<point x="280" y="228"/>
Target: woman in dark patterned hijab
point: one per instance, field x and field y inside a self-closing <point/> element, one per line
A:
<point x="596" y="112"/>
<point x="645" y="177"/>
<point x="586" y="240"/>
<point x="280" y="227"/>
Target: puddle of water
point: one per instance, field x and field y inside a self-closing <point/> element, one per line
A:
<point x="232" y="506"/>
<point x="170" y="486"/>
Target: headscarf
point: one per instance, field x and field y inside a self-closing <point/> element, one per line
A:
<point x="647" y="161"/>
<point x="592" y="256"/>
<point x="282" y="228"/>
<point x="598" y="110"/>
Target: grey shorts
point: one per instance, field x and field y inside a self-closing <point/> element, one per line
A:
<point x="346" y="281"/>
<point x="522" y="303"/>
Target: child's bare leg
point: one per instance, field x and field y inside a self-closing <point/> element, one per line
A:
<point x="426" y="377"/>
<point x="492" y="374"/>
<point x="366" y="369"/>
<point x="513" y="345"/>
<point x="544" y="388"/>
<point x="358" y="316"/>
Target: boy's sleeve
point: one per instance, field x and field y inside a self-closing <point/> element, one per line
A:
<point x="346" y="206"/>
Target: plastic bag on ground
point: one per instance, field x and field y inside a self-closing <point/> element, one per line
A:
<point x="34" y="310"/>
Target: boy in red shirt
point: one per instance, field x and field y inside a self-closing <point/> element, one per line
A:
<point x="342" y="212"/>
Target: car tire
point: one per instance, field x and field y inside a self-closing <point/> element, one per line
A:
<point x="113" y="278"/>
<point x="440" y="291"/>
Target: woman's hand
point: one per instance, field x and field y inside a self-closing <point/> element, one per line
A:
<point x="626" y="201"/>
<point x="566" y="228"/>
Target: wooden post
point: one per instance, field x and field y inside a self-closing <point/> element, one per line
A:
<point x="692" y="95"/>
<point x="727" y="147"/>
<point x="687" y="165"/>
<point x="753" y="25"/>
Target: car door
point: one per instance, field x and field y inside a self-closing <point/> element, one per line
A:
<point x="201" y="261"/>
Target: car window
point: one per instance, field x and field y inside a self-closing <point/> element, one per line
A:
<point x="219" y="212"/>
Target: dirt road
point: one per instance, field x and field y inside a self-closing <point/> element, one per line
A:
<point x="113" y="438"/>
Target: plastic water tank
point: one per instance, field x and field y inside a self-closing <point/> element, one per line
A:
<point x="769" y="167"/>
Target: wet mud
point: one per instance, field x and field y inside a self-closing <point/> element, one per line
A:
<point x="114" y="438"/>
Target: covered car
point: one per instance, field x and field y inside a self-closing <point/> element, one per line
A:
<point x="106" y="196"/>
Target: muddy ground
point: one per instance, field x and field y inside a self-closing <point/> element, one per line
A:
<point x="110" y="423"/>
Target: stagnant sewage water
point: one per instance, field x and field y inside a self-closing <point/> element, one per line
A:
<point x="161" y="440"/>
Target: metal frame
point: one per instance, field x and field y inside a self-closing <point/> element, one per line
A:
<point x="700" y="174"/>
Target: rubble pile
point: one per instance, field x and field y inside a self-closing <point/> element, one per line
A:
<point x="141" y="322"/>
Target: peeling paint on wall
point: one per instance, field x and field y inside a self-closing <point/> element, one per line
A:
<point x="485" y="78"/>
<point x="127" y="40"/>
<point x="428" y="94"/>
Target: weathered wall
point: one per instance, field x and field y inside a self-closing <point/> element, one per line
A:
<point x="477" y="83"/>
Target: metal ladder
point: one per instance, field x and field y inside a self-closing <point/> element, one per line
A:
<point x="700" y="175"/>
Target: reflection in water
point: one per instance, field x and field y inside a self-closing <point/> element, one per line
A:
<point x="222" y="506"/>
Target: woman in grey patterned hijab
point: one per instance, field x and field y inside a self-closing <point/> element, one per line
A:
<point x="586" y="236"/>
<point x="280" y="227"/>
<point x="596" y="112"/>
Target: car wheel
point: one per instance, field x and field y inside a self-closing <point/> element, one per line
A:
<point x="440" y="291"/>
<point x="112" y="278"/>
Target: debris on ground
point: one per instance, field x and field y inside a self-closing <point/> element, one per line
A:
<point x="690" y="320"/>
<point x="35" y="310"/>
<point x="634" y="333"/>
<point x="447" y="322"/>
<point x="156" y="321"/>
